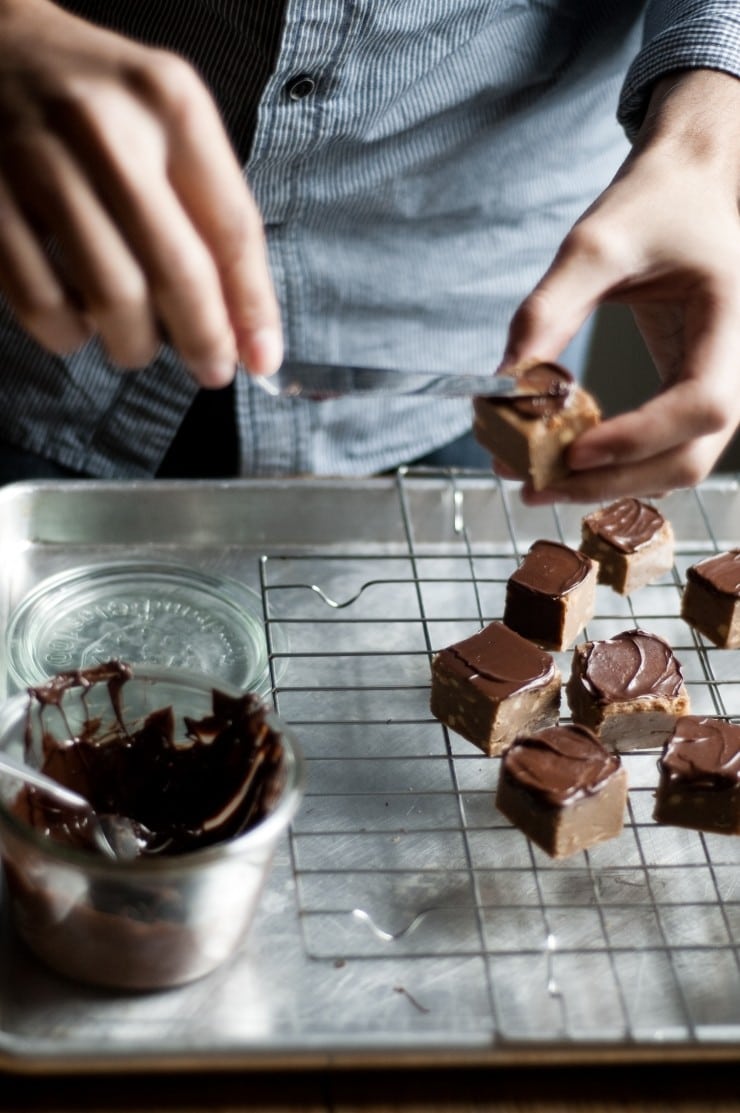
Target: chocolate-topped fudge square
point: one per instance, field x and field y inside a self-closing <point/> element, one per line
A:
<point x="711" y="598"/>
<point x="699" y="783"/>
<point x="531" y="433"/>
<point x="551" y="595"/>
<point x="563" y="789"/>
<point x="631" y="541"/>
<point x="494" y="685"/>
<point x="628" y="689"/>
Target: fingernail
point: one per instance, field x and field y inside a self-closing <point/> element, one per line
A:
<point x="214" y="373"/>
<point x="264" y="351"/>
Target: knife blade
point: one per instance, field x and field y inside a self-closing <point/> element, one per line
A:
<point x="323" y="380"/>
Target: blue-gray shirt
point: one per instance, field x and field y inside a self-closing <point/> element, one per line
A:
<point x="411" y="198"/>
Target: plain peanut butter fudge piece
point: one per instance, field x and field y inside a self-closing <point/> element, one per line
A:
<point x="631" y="541"/>
<point x="628" y="689"/>
<point x="531" y="433"/>
<point x="551" y="595"/>
<point x="494" y="685"/>
<point x="699" y="783"/>
<point x="563" y="789"/>
<point x="711" y="598"/>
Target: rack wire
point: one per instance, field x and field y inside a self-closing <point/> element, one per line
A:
<point x="399" y="855"/>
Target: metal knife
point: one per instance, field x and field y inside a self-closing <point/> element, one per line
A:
<point x="322" y="380"/>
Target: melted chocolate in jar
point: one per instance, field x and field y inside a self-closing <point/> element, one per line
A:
<point x="502" y="657"/>
<point x="561" y="764"/>
<point x="627" y="524"/>
<point x="182" y="787"/>
<point x="630" y="665"/>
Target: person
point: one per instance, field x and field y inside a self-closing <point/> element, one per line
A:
<point x="192" y="192"/>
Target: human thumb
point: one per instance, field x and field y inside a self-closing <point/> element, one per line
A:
<point x="551" y="315"/>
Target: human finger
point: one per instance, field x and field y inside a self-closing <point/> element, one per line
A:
<point x="187" y="293"/>
<point x="701" y="399"/>
<point x="233" y="296"/>
<point x="183" y="284"/>
<point x="208" y="181"/>
<point x="95" y="261"/>
<point x="680" y="467"/>
<point x="31" y="287"/>
<point x="583" y="270"/>
<point x="122" y="143"/>
<point x="673" y="419"/>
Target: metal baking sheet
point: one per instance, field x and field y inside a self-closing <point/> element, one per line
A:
<point x="405" y="920"/>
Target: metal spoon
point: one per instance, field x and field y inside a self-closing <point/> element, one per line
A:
<point x="115" y="836"/>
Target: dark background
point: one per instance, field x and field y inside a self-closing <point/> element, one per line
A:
<point x="621" y="374"/>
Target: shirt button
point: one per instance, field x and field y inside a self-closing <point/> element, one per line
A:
<point x="298" y="88"/>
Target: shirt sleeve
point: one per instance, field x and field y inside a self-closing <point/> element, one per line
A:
<point x="679" y="35"/>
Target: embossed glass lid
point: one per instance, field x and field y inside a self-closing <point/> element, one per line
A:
<point x="144" y="613"/>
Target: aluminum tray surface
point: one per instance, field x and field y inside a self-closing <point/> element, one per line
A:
<point x="405" y="919"/>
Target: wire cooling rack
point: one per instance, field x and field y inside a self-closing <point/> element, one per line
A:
<point x="399" y="856"/>
<point x="404" y="919"/>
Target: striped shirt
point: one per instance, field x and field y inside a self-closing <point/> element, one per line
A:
<point x="417" y="163"/>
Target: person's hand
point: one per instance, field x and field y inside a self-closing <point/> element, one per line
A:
<point x="123" y="210"/>
<point x="663" y="238"/>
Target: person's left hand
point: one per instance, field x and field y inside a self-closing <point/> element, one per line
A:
<point x="663" y="238"/>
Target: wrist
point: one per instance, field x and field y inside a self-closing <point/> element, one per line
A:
<point x="694" y="116"/>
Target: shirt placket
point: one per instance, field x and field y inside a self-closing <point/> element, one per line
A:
<point x="302" y="101"/>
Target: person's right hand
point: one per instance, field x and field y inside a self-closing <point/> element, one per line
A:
<point x="123" y="209"/>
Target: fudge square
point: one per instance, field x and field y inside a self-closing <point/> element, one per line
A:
<point x="551" y="595"/>
<point x="711" y="598"/>
<point x="531" y="433"/>
<point x="628" y="689"/>
<point x="494" y="685"/>
<point x="563" y="789"/>
<point x="699" y="784"/>
<point x="631" y="541"/>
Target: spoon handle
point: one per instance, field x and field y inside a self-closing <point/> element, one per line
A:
<point x="35" y="777"/>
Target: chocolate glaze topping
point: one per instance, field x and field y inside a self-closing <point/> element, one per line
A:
<point x="705" y="752"/>
<point x="546" y="389"/>
<point x="631" y="665"/>
<point x="628" y="524"/>
<point x="550" y="568"/>
<point x="720" y="573"/>
<point x="509" y="662"/>
<point x="560" y="764"/>
<point x="182" y="786"/>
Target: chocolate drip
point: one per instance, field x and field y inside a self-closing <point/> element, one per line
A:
<point x="720" y="573"/>
<point x="561" y="764"/>
<point x="183" y="787"/>
<point x="52" y="693"/>
<point x="627" y="524"/>
<point x="704" y="752"/>
<point x="504" y="658"/>
<point x="550" y="568"/>
<point x="631" y="665"/>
